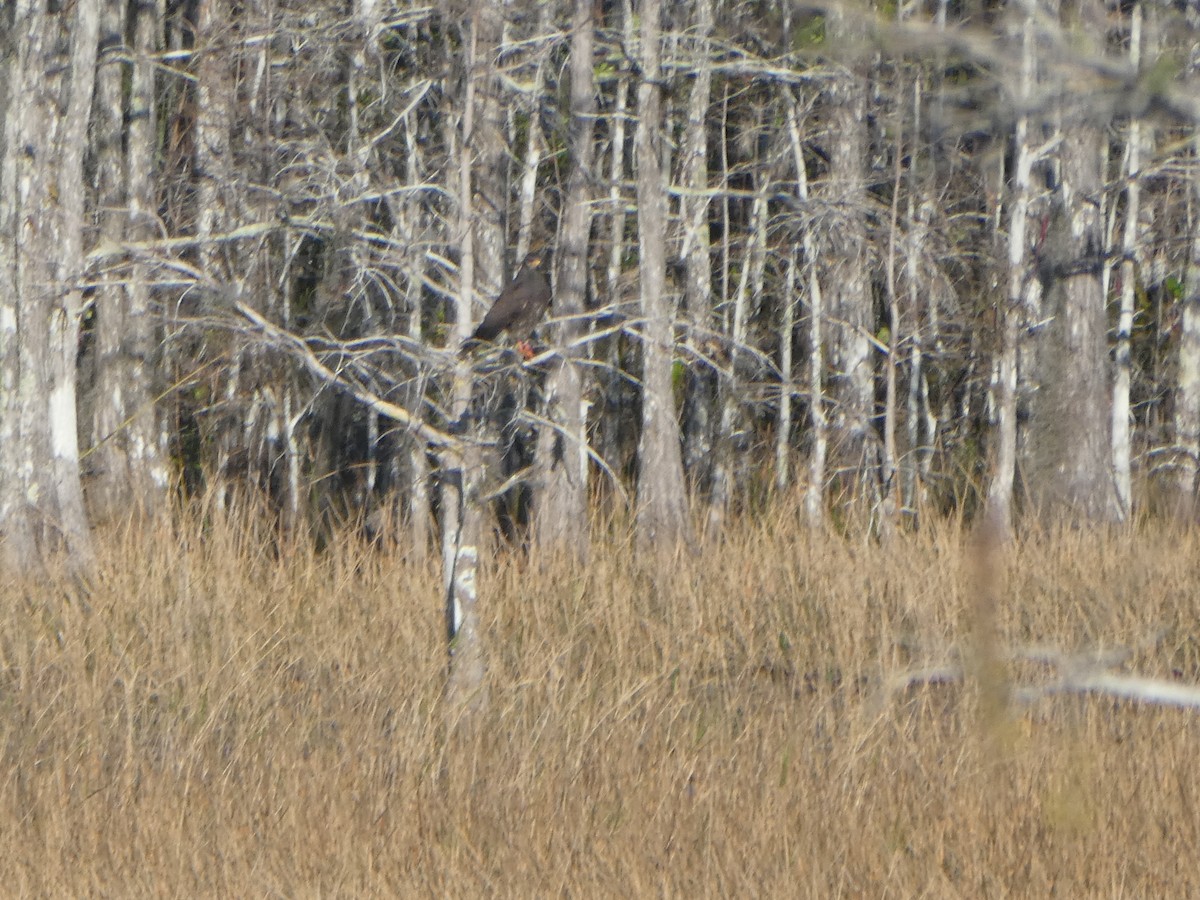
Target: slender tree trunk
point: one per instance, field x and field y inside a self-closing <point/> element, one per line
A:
<point x="561" y="511"/>
<point x="611" y="385"/>
<point x="535" y="143"/>
<point x="481" y="162"/>
<point x="889" y="505"/>
<point x="695" y="251"/>
<point x="215" y="96"/>
<point x="731" y="445"/>
<point x="412" y="230"/>
<point x="215" y="209"/>
<point x="50" y="79"/>
<point x="1122" y="413"/>
<point x="662" y="518"/>
<point x="1004" y="466"/>
<point x="814" y="495"/>
<point x="787" y="387"/>
<point x="1187" y="391"/>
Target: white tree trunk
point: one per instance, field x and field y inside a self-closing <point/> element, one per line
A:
<point x="50" y="79"/>
<point x="1004" y="466"/>
<point x="1122" y="414"/>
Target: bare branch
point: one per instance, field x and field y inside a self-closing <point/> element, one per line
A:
<point x="300" y="349"/>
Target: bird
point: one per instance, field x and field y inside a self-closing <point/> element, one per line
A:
<point x="519" y="308"/>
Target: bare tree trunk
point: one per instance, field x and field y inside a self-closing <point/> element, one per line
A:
<point x="562" y="501"/>
<point x="1070" y="447"/>
<point x="1004" y="466"/>
<point x="127" y="463"/>
<point x="412" y="230"/>
<point x="215" y="95"/>
<point x="695" y="253"/>
<point x="731" y="444"/>
<point x="616" y="201"/>
<point x="783" y="425"/>
<point x="215" y="208"/>
<point x="918" y="213"/>
<point x="1187" y="391"/>
<point x="662" y="517"/>
<point x="50" y="80"/>
<point x="889" y="509"/>
<point x="481" y="170"/>
<point x="1122" y="413"/>
<point x="535" y="142"/>
<point x="814" y="495"/>
<point x="610" y="380"/>
<point x="848" y="287"/>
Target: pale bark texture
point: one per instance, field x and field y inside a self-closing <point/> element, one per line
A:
<point x="481" y="207"/>
<point x="1122" y="436"/>
<point x="662" y="517"/>
<point x="215" y="209"/>
<point x="1186" y="420"/>
<point x="1004" y="465"/>
<point x="731" y="446"/>
<point x="126" y="462"/>
<point x="50" y="79"/>
<point x="561" y="504"/>
<point x="783" y="430"/>
<point x="814" y="493"/>
<point x="847" y="280"/>
<point x="1070" y="468"/>
<point x="695" y="254"/>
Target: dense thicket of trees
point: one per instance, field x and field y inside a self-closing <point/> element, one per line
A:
<point x="902" y="258"/>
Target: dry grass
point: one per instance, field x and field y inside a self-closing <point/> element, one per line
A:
<point x="231" y="718"/>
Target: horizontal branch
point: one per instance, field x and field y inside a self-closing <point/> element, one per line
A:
<point x="1079" y="673"/>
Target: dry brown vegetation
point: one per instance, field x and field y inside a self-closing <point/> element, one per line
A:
<point x="232" y="716"/>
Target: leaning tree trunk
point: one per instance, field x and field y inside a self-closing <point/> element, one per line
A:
<point x="561" y="512"/>
<point x="662" y="518"/>
<point x="51" y="73"/>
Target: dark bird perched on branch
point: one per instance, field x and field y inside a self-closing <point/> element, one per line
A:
<point x="518" y="309"/>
